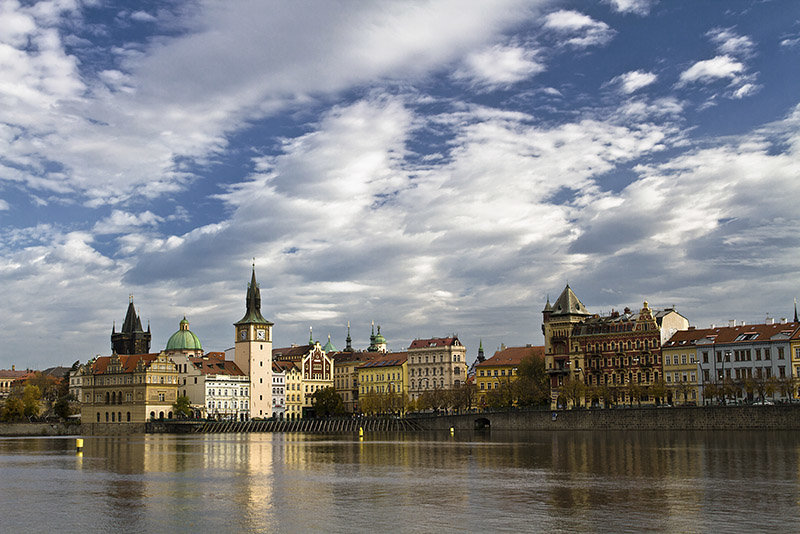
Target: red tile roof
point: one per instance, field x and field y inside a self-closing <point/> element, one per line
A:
<point x="735" y="334"/>
<point x="434" y="342"/>
<point x="8" y="373"/>
<point x="215" y="365"/>
<point x="283" y="366"/>
<point x="129" y="362"/>
<point x="291" y="353"/>
<point x="512" y="356"/>
<point x="386" y="360"/>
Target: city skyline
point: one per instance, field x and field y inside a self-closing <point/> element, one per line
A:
<point x="438" y="167"/>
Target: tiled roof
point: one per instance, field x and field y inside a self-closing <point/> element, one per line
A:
<point x="297" y="351"/>
<point x="8" y="373"/>
<point x="434" y="342"/>
<point x="361" y="356"/>
<point x="511" y="356"/>
<point x="129" y="362"/>
<point x="216" y="366"/>
<point x="386" y="360"/>
<point x="283" y="365"/>
<point x="568" y="303"/>
<point x="736" y="334"/>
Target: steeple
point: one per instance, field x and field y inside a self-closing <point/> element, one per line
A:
<point x="349" y="347"/>
<point x="481" y="356"/>
<point x="253" y="303"/>
<point x="372" y="346"/>
<point x="131" y="339"/>
<point x="310" y="336"/>
<point x="795" y="311"/>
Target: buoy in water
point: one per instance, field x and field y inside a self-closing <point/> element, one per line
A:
<point x="79" y="445"/>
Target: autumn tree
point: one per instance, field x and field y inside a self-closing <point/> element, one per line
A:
<point x="327" y="402"/>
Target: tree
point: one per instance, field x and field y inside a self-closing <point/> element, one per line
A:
<point x="684" y="388"/>
<point x="182" y="407"/>
<point x="659" y="391"/>
<point x="574" y="390"/>
<point x="327" y="402"/>
<point x="30" y="400"/>
<point x="62" y="408"/>
<point x="462" y="397"/>
<point x="13" y="409"/>
<point x="502" y="396"/>
<point x="634" y="391"/>
<point x="532" y="387"/>
<point x="710" y="390"/>
<point x="772" y="387"/>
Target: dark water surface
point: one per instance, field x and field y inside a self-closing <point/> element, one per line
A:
<point x="509" y="482"/>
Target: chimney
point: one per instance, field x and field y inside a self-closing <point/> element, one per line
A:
<point x="783" y="320"/>
<point x="12" y="367"/>
<point x="731" y="322"/>
<point x="769" y="320"/>
<point x="691" y="328"/>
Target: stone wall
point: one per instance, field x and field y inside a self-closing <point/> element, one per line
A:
<point x="785" y="417"/>
<point x="38" y="429"/>
<point x="112" y="429"/>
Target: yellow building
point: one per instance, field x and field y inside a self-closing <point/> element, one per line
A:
<point x="383" y="384"/>
<point x="316" y="372"/>
<point x="680" y="358"/>
<point x="129" y="388"/>
<point x="345" y="376"/>
<point x="501" y="369"/>
<point x="794" y="350"/>
<point x="293" y="391"/>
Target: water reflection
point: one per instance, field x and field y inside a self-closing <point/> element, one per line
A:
<point x="553" y="481"/>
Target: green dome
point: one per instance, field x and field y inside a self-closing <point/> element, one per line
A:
<point x="184" y="339"/>
<point x="379" y="339"/>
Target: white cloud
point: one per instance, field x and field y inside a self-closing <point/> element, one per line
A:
<point x="499" y="66"/>
<point x="120" y="222"/>
<point x="632" y="81"/>
<point x="143" y="16"/>
<point x="4" y="205"/>
<point x="730" y="43"/>
<point x="584" y="31"/>
<point x="747" y="89"/>
<point x="638" y="7"/>
<point x="720" y="67"/>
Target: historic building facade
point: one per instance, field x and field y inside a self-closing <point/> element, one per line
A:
<point x="436" y="363"/>
<point x="492" y="373"/>
<point x="253" y="351"/>
<point x="600" y="360"/>
<point x="383" y="383"/>
<point x="131" y="388"/>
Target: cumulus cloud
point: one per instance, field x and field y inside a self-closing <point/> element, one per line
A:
<point x="499" y="66"/>
<point x="632" y="81"/>
<point x="730" y="43"/>
<point x="709" y="70"/>
<point x="638" y="7"/>
<point x="119" y="222"/>
<point x="581" y="30"/>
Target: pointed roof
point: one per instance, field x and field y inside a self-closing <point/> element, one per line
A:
<point x="329" y="346"/>
<point x="132" y="322"/>
<point x="253" y="302"/>
<point x="548" y="307"/>
<point x="348" y="340"/>
<point x="569" y="304"/>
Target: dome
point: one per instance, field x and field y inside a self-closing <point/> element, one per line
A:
<point x="379" y="339"/>
<point x="184" y="339"/>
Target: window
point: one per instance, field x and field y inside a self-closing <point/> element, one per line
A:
<point x="683" y="358"/>
<point x="780" y="354"/>
<point x="767" y="354"/>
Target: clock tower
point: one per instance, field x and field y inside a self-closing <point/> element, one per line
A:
<point x="253" y="351"/>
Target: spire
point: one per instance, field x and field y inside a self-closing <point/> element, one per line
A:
<point x="795" y="311"/>
<point x="114" y="324"/>
<point x="481" y="356"/>
<point x="349" y="347"/>
<point x="253" y="303"/>
<point x="310" y="336"/>
<point x="131" y="319"/>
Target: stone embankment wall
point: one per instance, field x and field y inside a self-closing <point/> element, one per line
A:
<point x="785" y="417"/>
<point x="112" y="429"/>
<point x="38" y="429"/>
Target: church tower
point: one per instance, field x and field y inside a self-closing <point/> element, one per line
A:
<point x="131" y="339"/>
<point x="253" y="351"/>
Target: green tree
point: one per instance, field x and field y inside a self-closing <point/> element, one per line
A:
<point x="182" y="407"/>
<point x="327" y="402"/>
<point x="31" y="396"/>
<point x="532" y="386"/>
<point x="659" y="391"/>
<point x="62" y="408"/>
<point x="501" y="396"/>
<point x="13" y="409"/>
<point x="573" y="390"/>
<point x="683" y="389"/>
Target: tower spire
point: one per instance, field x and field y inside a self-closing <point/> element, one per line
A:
<point x="253" y="302"/>
<point x="310" y="336"/>
<point x="348" y="340"/>
<point x="795" y="310"/>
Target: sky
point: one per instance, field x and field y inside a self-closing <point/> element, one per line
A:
<point x="437" y="167"/>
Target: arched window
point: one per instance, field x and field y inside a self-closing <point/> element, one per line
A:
<point x="129" y="417"/>
<point x="98" y="417"/>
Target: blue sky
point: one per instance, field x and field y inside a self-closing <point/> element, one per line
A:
<point x="437" y="167"/>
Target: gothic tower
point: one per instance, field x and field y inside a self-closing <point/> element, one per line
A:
<point x="253" y="351"/>
<point x="131" y="339"/>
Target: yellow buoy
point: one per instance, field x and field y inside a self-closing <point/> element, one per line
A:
<point x="79" y="444"/>
<point x="361" y="431"/>
<point x="452" y="430"/>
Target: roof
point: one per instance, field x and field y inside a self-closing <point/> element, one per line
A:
<point x="434" y="342"/>
<point x="288" y="353"/>
<point x="184" y="339"/>
<point x="252" y="314"/>
<point x="568" y="304"/>
<point x="512" y="356"/>
<point x="8" y="373"/>
<point x="346" y="356"/>
<point x="216" y="366"/>
<point x="736" y="334"/>
<point x="283" y="366"/>
<point x="390" y="359"/>
<point x="129" y="362"/>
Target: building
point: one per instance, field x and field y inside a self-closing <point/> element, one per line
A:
<point x="253" y="351"/>
<point x="7" y="379"/>
<point x="184" y="341"/>
<point x="740" y="363"/>
<point x="278" y="391"/>
<point x="435" y="363"/>
<point x="610" y="359"/>
<point x="679" y="354"/>
<point x="316" y="372"/>
<point x="383" y="384"/>
<point x="345" y="376"/>
<point x="492" y="373"/>
<point x="131" y="339"/>
<point x="129" y="388"/>
<point x="216" y="387"/>
<point x="294" y="399"/>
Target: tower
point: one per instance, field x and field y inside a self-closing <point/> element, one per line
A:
<point x="131" y="339"/>
<point x="348" y="340"/>
<point x="253" y="351"/>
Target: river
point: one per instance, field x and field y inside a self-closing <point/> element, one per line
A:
<point x="427" y="482"/>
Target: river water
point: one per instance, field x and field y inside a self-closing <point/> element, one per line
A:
<point x="497" y="482"/>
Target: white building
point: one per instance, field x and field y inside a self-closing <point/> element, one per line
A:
<point x="278" y="391"/>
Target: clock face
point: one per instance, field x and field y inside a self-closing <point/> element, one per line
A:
<point x="261" y="333"/>
<point x="243" y="333"/>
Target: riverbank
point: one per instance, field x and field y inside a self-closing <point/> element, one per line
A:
<point x="38" y="429"/>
